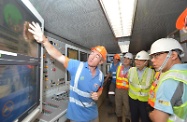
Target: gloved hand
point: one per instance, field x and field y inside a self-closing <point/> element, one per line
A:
<point x="37" y="32"/>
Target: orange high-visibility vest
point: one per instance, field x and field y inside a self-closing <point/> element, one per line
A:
<point x="152" y="94"/>
<point x="121" y="78"/>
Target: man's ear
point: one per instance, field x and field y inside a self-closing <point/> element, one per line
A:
<point x="174" y="55"/>
<point x="101" y="62"/>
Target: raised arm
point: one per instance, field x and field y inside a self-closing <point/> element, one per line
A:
<point x="38" y="35"/>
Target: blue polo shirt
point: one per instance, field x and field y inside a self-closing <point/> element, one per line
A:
<point x="86" y="83"/>
<point x="166" y="94"/>
<point x="112" y="71"/>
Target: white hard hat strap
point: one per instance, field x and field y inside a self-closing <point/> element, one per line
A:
<point x="145" y="63"/>
<point x="165" y="61"/>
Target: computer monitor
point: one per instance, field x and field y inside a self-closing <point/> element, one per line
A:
<point x="83" y="56"/>
<point x="20" y="62"/>
<point x="73" y="54"/>
<point x="109" y="59"/>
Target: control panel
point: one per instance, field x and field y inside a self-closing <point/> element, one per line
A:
<point x="55" y="87"/>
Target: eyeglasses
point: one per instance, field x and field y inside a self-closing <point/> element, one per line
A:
<point x="156" y="55"/>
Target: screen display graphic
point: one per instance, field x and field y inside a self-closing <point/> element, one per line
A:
<point x="20" y="61"/>
<point x="18" y="90"/>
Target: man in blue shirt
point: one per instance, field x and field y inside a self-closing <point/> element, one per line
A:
<point x="86" y="79"/>
<point x="112" y="73"/>
<point x="168" y="94"/>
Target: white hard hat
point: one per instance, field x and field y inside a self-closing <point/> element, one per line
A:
<point x="164" y="45"/>
<point x="128" y="55"/>
<point x="142" y="55"/>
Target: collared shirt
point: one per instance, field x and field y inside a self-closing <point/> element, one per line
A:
<point x="112" y="71"/>
<point x="166" y="94"/>
<point x="140" y="73"/>
<point x="86" y="83"/>
<point x="126" y="69"/>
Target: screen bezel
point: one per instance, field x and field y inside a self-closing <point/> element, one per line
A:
<point x="12" y="58"/>
<point x="30" y="115"/>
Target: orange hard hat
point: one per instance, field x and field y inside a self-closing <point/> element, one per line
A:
<point x="101" y="50"/>
<point x="182" y="20"/>
<point x="117" y="56"/>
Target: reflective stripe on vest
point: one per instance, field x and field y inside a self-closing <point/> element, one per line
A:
<point x="78" y="102"/>
<point x="174" y="118"/>
<point x="176" y="76"/>
<point x="79" y="70"/>
<point x="147" y="80"/>
<point x="152" y="94"/>
<point x="138" y="93"/>
<point x="123" y="85"/>
<point x="114" y="75"/>
<point x="179" y="111"/>
<point x="121" y="81"/>
<point x="139" y="89"/>
<point x="80" y="92"/>
<point x="100" y="76"/>
<point x="114" y="71"/>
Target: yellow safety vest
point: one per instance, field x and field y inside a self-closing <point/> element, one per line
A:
<point x="179" y="111"/>
<point x="121" y="78"/>
<point x="139" y="88"/>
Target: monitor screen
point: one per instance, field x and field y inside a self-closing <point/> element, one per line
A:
<point x="109" y="59"/>
<point x="20" y="65"/>
<point x="19" y="91"/>
<point x="73" y="54"/>
<point x="83" y="56"/>
<point x="14" y="23"/>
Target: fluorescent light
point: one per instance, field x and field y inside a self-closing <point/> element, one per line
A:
<point x="124" y="46"/>
<point x="120" y="14"/>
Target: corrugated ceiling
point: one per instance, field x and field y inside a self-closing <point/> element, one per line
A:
<point x="83" y="22"/>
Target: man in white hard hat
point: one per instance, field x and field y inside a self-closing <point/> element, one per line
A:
<point x="112" y="73"/>
<point x="122" y="86"/>
<point x="140" y="80"/>
<point x="168" y="94"/>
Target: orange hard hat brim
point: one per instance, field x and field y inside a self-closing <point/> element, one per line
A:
<point x="103" y="51"/>
<point x="117" y="56"/>
<point x="180" y="23"/>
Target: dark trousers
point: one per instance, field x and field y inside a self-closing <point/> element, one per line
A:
<point x="138" y="111"/>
